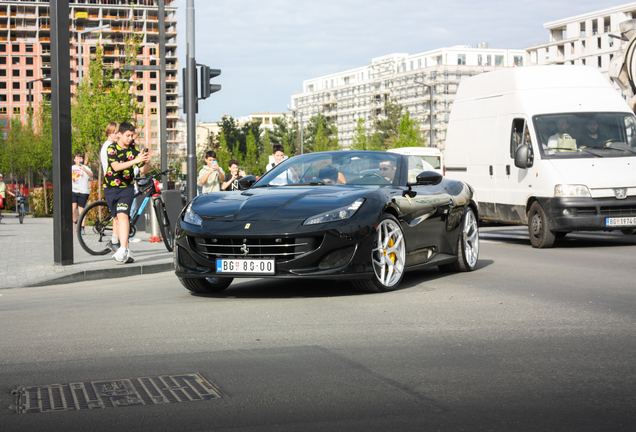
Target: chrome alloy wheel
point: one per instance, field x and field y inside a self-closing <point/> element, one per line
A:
<point x="471" y="239"/>
<point x="389" y="254"/>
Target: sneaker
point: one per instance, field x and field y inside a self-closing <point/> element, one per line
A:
<point x="120" y="255"/>
<point x="129" y="257"/>
<point x="112" y="246"/>
<point x="134" y="240"/>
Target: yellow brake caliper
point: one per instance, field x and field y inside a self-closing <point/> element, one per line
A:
<point x="392" y="255"/>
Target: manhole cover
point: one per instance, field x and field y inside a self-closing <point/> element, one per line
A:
<point x="151" y="390"/>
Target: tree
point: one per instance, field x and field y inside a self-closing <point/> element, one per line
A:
<point x="409" y="134"/>
<point x="250" y="162"/>
<point x="360" y="138"/>
<point x="101" y="98"/>
<point x="40" y="148"/>
<point x="285" y="134"/>
<point x="328" y="129"/>
<point x="387" y="128"/>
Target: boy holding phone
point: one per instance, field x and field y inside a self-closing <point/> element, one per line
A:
<point x="211" y="175"/>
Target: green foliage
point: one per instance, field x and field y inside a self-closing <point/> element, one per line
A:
<point x="360" y="138"/>
<point x="327" y="139"/>
<point x="250" y="163"/>
<point x="409" y="134"/>
<point x="387" y="128"/>
<point x="101" y="98"/>
<point x="38" y="205"/>
<point x="285" y="134"/>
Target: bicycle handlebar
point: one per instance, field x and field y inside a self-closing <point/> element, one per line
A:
<point x="155" y="175"/>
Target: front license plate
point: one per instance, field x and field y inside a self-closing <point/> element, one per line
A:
<point x="245" y="266"/>
<point x="624" y="221"/>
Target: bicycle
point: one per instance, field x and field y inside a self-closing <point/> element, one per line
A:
<point x="99" y="220"/>
<point x="19" y="203"/>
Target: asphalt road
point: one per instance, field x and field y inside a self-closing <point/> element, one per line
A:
<point x="531" y="340"/>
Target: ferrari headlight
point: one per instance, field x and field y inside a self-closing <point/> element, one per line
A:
<point x="566" y="190"/>
<point x="191" y="217"/>
<point x="335" y="215"/>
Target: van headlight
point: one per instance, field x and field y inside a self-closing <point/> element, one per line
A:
<point x="191" y="217"/>
<point x="335" y="215"/>
<point x="566" y="190"/>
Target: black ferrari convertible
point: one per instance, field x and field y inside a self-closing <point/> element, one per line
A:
<point x="363" y="216"/>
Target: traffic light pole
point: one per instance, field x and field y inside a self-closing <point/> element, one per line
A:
<point x="191" y="102"/>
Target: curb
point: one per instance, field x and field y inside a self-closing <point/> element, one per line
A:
<point x="96" y="274"/>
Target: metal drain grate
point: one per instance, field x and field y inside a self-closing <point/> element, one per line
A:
<point x="116" y="393"/>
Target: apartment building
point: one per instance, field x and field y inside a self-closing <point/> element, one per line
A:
<point x="344" y="97"/>
<point x="586" y="39"/>
<point x="25" y="56"/>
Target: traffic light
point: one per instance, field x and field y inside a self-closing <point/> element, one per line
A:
<point x="206" y="75"/>
<point x="184" y="71"/>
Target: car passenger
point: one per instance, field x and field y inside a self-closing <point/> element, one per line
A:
<point x="330" y="175"/>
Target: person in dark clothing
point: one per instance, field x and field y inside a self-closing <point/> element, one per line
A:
<point x="232" y="183"/>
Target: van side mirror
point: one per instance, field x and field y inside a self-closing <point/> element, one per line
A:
<point x="246" y="182"/>
<point x="427" y="178"/>
<point x="524" y="158"/>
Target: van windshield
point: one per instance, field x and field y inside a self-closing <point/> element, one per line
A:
<point x="586" y="135"/>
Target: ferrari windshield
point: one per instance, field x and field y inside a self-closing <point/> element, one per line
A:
<point x="335" y="168"/>
<point x="573" y="135"/>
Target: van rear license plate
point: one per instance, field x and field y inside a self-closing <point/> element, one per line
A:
<point x="623" y="221"/>
<point x="245" y="266"/>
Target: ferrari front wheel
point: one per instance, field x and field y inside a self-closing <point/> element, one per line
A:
<point x="388" y="257"/>
<point x="205" y="285"/>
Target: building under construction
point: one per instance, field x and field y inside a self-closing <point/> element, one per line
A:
<point x="25" y="56"/>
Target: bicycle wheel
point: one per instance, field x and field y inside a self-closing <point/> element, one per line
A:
<point x="21" y="213"/>
<point x="99" y="228"/>
<point x="164" y="224"/>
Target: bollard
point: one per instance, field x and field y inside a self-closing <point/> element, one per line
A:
<point x="155" y="234"/>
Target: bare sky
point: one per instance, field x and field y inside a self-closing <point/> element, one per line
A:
<point x="266" y="49"/>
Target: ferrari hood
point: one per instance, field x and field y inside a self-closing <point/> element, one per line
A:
<point x="275" y="203"/>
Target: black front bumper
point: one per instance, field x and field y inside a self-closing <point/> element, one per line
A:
<point x="587" y="214"/>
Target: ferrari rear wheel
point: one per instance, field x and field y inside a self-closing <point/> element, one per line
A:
<point x="388" y="257"/>
<point x="205" y="285"/>
<point x="467" y="245"/>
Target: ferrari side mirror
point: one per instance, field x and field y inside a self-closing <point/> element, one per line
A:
<point x="428" y="178"/>
<point x="246" y="182"/>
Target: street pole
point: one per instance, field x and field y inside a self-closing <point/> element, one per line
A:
<point x="431" y="92"/>
<point x="192" y="92"/>
<point x="163" y="116"/>
<point x="61" y="132"/>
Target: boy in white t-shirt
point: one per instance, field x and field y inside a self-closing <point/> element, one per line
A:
<point x="81" y="175"/>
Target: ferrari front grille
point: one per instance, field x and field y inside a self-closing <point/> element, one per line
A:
<point x="279" y="248"/>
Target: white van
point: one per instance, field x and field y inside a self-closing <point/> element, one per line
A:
<point x="552" y="147"/>
<point x="432" y="155"/>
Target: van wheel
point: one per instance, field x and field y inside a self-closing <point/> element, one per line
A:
<point x="540" y="235"/>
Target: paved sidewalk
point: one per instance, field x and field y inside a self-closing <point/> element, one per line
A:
<point x="26" y="257"/>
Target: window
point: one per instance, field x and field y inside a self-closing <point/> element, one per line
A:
<point x="140" y="99"/>
<point x="154" y="134"/>
<point x="15" y="60"/>
<point x="153" y="87"/>
<point x="3" y="85"/>
<point x="153" y="123"/>
<point x="15" y="48"/>
<point x="16" y="72"/>
<point x="3" y="60"/>
<point x="16" y="110"/>
<point x="29" y="60"/>
<point x="29" y="98"/>
<point x="16" y="85"/>
<point x="518" y="60"/>
<point x="153" y="110"/>
<point x="419" y="63"/>
<point x="28" y="48"/>
<point x="3" y="98"/>
<point x="141" y="135"/>
<point x="153" y="99"/>
<point x="411" y="64"/>
<point x="489" y="60"/>
<point x="16" y="98"/>
<point x="29" y="73"/>
<point x="480" y="60"/>
<point x="461" y="59"/>
<point x="3" y="122"/>
<point x="153" y="75"/>
<point x="3" y="110"/>
<point x="516" y="135"/>
<point x="140" y="75"/>
<point x="499" y="60"/>
<point x="3" y="72"/>
<point x="346" y="80"/>
<point x="3" y="48"/>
